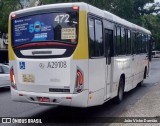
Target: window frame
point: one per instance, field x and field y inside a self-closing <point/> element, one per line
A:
<point x="123" y="52"/>
<point x="101" y="20"/>
<point x="128" y="42"/>
<point x="139" y="43"/>
<point x="118" y="50"/>
<point x="134" y="50"/>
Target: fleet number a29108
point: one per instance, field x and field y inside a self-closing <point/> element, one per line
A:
<point x="60" y="64"/>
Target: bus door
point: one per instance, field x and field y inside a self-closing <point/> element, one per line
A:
<point x="108" y="47"/>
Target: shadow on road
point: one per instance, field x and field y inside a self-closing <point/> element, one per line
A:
<point x="4" y="89"/>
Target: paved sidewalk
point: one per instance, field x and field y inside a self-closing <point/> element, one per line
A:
<point x="147" y="106"/>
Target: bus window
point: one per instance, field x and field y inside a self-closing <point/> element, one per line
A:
<point x="134" y="47"/>
<point x="123" y="41"/>
<point x="139" y="43"/>
<point x="99" y="39"/>
<point x="59" y="27"/>
<point x="118" y="42"/>
<point x="96" y="38"/>
<point x="66" y="29"/>
<point x="109" y="45"/>
<point x="91" y="36"/>
<point x="128" y="42"/>
<point x="144" y="43"/>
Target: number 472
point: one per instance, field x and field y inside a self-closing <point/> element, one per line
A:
<point x="62" y="18"/>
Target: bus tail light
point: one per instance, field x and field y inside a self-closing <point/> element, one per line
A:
<point x="12" y="78"/>
<point x="79" y="81"/>
<point x="13" y="16"/>
<point x="75" y="7"/>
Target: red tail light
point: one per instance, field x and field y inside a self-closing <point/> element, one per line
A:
<point x="79" y="81"/>
<point x="11" y="74"/>
<point x="12" y="78"/>
<point x="80" y="76"/>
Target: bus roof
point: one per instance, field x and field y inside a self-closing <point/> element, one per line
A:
<point x="89" y="8"/>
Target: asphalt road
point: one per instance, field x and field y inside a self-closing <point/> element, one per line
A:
<point x="140" y="102"/>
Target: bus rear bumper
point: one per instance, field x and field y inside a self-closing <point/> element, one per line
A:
<point x="75" y="100"/>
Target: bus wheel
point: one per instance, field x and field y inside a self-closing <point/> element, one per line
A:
<point x="120" y="94"/>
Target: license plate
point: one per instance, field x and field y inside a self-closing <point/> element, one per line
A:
<point x="28" y="78"/>
<point x="43" y="99"/>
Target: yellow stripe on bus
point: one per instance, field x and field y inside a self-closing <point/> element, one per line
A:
<point x="81" y="51"/>
<point x="10" y="50"/>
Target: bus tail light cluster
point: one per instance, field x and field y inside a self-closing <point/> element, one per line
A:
<point x="12" y="78"/>
<point x="79" y="81"/>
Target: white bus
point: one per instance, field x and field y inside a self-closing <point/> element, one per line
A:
<point x="74" y="54"/>
<point x="156" y="54"/>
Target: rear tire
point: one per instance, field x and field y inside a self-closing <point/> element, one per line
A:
<point x="120" y="94"/>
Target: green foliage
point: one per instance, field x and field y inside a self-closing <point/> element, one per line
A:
<point x="152" y="22"/>
<point x="131" y="10"/>
<point x="7" y="7"/>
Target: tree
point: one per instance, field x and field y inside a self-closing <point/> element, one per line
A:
<point x="151" y="22"/>
<point x="7" y="7"/>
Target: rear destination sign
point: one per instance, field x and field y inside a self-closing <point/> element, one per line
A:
<point x="68" y="33"/>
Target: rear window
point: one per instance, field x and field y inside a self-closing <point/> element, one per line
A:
<point x="59" y="27"/>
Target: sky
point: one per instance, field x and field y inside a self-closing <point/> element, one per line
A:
<point x="148" y="5"/>
<point x="156" y="0"/>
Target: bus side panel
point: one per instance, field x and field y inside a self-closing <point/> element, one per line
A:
<point x="122" y="66"/>
<point x="139" y="68"/>
<point x="128" y="74"/>
<point x="116" y="75"/>
<point x="97" y="81"/>
<point x="132" y="67"/>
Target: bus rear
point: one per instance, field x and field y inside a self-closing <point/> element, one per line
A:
<point x="47" y="63"/>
